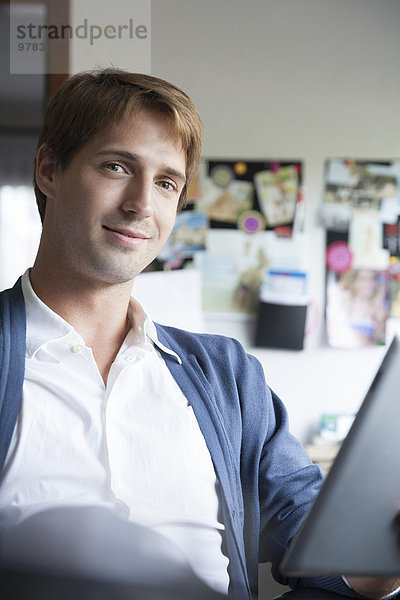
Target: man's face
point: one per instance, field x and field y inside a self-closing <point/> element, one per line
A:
<point x="112" y="208"/>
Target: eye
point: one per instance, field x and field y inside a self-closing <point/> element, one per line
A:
<point x="114" y="167"/>
<point x="168" y="185"/>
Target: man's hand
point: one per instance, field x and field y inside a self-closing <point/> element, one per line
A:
<point x="374" y="587"/>
<point x="377" y="587"/>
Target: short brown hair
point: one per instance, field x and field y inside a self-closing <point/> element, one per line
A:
<point x="89" y="102"/>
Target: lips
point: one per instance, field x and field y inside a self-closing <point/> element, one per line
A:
<point x="127" y="238"/>
<point x="127" y="233"/>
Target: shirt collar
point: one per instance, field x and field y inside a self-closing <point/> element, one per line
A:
<point x="44" y="325"/>
<point x="144" y="328"/>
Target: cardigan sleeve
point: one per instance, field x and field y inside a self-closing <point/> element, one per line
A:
<point x="287" y="480"/>
<point x="289" y="483"/>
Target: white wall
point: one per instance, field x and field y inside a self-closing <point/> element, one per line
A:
<point x="306" y="79"/>
<point x="114" y="33"/>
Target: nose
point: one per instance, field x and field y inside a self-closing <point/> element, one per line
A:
<point x="138" y="197"/>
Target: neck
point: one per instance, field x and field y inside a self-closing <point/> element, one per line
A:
<point x="98" y="312"/>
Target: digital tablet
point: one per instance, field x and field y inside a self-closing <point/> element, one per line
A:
<point x="350" y="529"/>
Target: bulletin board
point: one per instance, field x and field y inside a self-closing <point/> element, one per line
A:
<point x="241" y="218"/>
<point x="361" y="213"/>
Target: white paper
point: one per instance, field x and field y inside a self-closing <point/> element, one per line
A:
<point x="171" y="297"/>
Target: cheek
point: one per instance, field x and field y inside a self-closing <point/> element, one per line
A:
<point x="88" y="205"/>
<point x="166" y="221"/>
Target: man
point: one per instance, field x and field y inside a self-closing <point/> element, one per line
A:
<point x="165" y="428"/>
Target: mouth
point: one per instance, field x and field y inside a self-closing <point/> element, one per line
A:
<point x="126" y="237"/>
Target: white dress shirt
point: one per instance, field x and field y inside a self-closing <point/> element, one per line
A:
<point x="133" y="446"/>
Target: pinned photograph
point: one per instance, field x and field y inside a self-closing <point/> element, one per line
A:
<point x="357" y="308"/>
<point x="232" y="271"/>
<point x="187" y="237"/>
<point x="352" y="184"/>
<point x="224" y="204"/>
<point x="366" y="240"/>
<point x="277" y="193"/>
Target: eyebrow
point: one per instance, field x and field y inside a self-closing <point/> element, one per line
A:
<point x="136" y="158"/>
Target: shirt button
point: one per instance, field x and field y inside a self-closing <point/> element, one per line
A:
<point x="77" y="348"/>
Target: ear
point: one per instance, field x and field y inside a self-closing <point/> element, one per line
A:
<point x="45" y="168"/>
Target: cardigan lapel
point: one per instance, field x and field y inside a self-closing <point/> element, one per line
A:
<point x="12" y="362"/>
<point x="198" y="392"/>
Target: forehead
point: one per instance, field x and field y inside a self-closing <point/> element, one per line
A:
<point x="138" y="119"/>
<point x="145" y="128"/>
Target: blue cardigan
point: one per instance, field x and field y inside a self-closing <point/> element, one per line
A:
<point x="267" y="481"/>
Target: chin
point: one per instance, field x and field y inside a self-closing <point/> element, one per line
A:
<point x="120" y="269"/>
